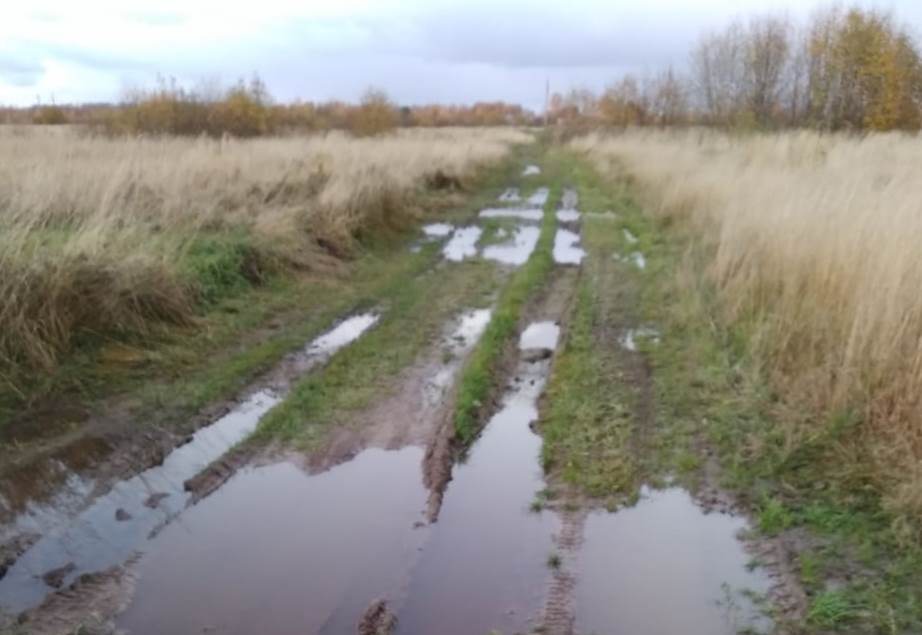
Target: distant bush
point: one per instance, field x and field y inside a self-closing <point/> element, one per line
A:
<point x="49" y="116"/>
<point x="375" y="115"/>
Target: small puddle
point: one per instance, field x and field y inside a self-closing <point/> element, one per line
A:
<point x="110" y="529"/>
<point x="522" y="214"/>
<point x="569" y="199"/>
<point x="462" y="244"/>
<point x="628" y="236"/>
<point x="539" y="198"/>
<point x="541" y="335"/>
<point x="566" y="248"/>
<point x="511" y="195"/>
<point x="567" y="215"/>
<point x="484" y="566"/>
<point x="517" y="250"/>
<point x="664" y="567"/>
<point x="437" y="230"/>
<point x="630" y="337"/>
<point x="639" y="260"/>
<point x="276" y="551"/>
<point x="531" y="170"/>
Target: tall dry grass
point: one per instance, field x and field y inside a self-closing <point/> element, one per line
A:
<point x="97" y="234"/>
<point x="816" y="246"/>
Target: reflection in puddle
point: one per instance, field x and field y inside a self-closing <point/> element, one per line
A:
<point x="517" y="250"/>
<point x="511" y="195"/>
<point x="276" y="551"/>
<point x="567" y="215"/>
<point x="471" y="326"/>
<point x="109" y="530"/>
<point x="462" y="244"/>
<point x="665" y="567"/>
<point x="531" y="170"/>
<point x="566" y="248"/>
<point x="484" y="566"/>
<point x="539" y="197"/>
<point x="523" y="214"/>
<point x="539" y="335"/>
<point x="437" y="230"/>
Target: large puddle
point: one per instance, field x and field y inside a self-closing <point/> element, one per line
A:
<point x="485" y="565"/>
<point x="276" y="551"/>
<point x="110" y="529"/>
<point x="664" y="567"/>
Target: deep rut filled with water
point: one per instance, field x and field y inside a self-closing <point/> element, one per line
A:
<point x="332" y="499"/>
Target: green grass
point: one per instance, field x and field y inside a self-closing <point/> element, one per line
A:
<point x="478" y="378"/>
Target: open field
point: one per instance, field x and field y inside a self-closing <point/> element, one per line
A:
<point x="107" y="235"/>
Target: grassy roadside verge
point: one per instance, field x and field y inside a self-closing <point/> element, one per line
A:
<point x="167" y="376"/>
<point x="857" y="565"/>
<point x="477" y="381"/>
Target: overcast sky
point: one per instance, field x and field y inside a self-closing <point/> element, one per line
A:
<point x="420" y="51"/>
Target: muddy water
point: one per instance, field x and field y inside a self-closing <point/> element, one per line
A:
<point x="484" y="566"/>
<point x="517" y="250"/>
<point x="665" y="567"/>
<point x="110" y="529"/>
<point x="462" y="244"/>
<point x="276" y="551"/>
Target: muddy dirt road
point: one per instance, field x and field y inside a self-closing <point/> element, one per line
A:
<point x="382" y="520"/>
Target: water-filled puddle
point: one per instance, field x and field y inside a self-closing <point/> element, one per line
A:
<point x="531" y="170"/>
<point x="664" y="567"/>
<point x="628" y="236"/>
<point x="517" y="250"/>
<point x="462" y="244"/>
<point x="109" y="530"/>
<point x="511" y="195"/>
<point x="539" y="197"/>
<point x="484" y="566"/>
<point x="566" y="248"/>
<point x="639" y="260"/>
<point x="437" y="230"/>
<point x="567" y="215"/>
<point x="569" y="199"/>
<point x="630" y="337"/>
<point x="521" y="214"/>
<point x="540" y="335"/>
<point x="276" y="551"/>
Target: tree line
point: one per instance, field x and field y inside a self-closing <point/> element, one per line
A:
<point x="846" y="69"/>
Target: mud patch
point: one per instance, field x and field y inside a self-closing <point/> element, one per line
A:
<point x="666" y="551"/>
